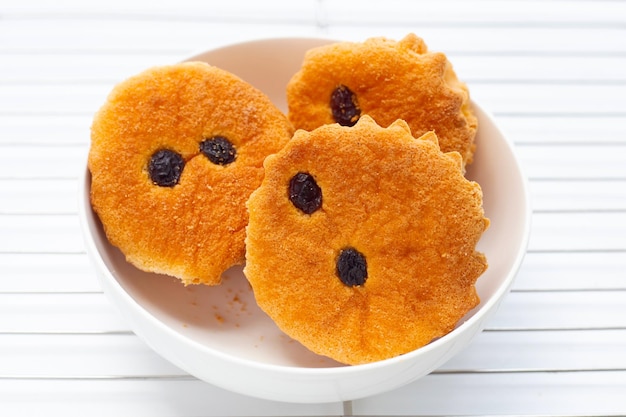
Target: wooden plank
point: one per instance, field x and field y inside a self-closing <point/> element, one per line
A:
<point x="47" y="273"/>
<point x="572" y="271"/>
<point x="141" y="397"/>
<point x="59" y="313"/>
<point x="533" y="394"/>
<point x="30" y="197"/>
<point x="569" y="310"/>
<point x="579" y="232"/>
<point x="536" y="351"/>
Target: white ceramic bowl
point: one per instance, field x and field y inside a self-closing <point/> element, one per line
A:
<point x="219" y="335"/>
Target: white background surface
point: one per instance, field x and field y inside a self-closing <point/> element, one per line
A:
<point x="552" y="72"/>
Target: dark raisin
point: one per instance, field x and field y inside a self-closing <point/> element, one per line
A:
<point x="304" y="193"/>
<point x="165" y="167"/>
<point x="344" y="106"/>
<point x="219" y="150"/>
<point x="351" y="267"/>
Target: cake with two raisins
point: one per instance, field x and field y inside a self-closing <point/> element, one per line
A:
<point x="175" y="153"/>
<point x="361" y="242"/>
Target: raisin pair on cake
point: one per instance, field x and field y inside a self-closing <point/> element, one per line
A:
<point x="175" y="153"/>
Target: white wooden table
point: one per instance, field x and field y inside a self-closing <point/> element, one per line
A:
<point x="552" y="72"/>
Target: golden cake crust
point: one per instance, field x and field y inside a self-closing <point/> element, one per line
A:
<point x="391" y="80"/>
<point x="195" y="229"/>
<point x="399" y="201"/>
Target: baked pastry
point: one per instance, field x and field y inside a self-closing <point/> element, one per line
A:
<point x="175" y="153"/>
<point x="361" y="240"/>
<point x="387" y="80"/>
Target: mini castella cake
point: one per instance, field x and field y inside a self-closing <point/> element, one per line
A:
<point x="361" y="242"/>
<point x="175" y="153"/>
<point x="386" y="80"/>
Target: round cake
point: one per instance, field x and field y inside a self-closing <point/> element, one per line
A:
<point x="361" y="240"/>
<point x="387" y="80"/>
<point x="175" y="153"/>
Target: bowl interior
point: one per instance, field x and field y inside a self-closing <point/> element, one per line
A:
<point x="225" y="318"/>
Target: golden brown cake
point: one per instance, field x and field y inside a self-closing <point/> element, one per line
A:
<point x="175" y="153"/>
<point x="361" y="240"/>
<point x="386" y="80"/>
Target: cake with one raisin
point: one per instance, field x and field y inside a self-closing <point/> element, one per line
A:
<point x="387" y="80"/>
